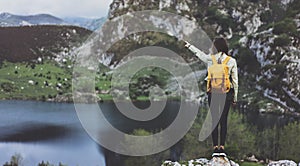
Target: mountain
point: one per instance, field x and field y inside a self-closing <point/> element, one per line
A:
<point x="263" y="37"/>
<point x="88" y="23"/>
<point x="28" y="43"/>
<point x="7" y="19"/>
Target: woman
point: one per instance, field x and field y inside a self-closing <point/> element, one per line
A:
<point x="220" y="56"/>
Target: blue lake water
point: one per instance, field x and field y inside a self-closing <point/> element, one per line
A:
<point x="45" y="131"/>
<point x="42" y="131"/>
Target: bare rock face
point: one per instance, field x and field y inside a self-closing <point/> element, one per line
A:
<point x="216" y="161"/>
<point x="263" y="36"/>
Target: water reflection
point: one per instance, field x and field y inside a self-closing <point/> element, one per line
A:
<point x="52" y="132"/>
<point x="45" y="131"/>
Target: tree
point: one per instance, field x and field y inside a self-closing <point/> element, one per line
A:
<point x="282" y="40"/>
<point x="15" y="160"/>
<point x="150" y="160"/>
<point x="240" y="137"/>
<point x="289" y="142"/>
<point x="287" y="26"/>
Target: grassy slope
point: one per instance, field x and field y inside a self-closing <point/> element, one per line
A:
<point x="33" y="81"/>
<point x="40" y="81"/>
<point x="21" y="76"/>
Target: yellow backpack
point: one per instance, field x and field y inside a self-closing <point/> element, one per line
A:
<point x="218" y="76"/>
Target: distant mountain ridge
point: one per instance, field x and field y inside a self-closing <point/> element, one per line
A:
<point x="7" y="19"/>
<point x="88" y="23"/>
<point x="11" y="20"/>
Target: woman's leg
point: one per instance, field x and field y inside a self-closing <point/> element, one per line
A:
<point x="214" y="110"/>
<point x="224" y="117"/>
<point x="223" y="122"/>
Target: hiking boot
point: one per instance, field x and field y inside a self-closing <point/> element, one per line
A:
<point x="216" y="152"/>
<point x="222" y="152"/>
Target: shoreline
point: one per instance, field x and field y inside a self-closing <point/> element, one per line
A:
<point x="173" y="99"/>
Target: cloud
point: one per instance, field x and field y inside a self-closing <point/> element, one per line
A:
<point x="61" y="8"/>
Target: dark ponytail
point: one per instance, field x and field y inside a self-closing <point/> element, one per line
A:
<point x="221" y="45"/>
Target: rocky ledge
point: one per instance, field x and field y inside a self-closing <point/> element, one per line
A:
<point x="219" y="161"/>
<point x="216" y="161"/>
<point x="283" y="163"/>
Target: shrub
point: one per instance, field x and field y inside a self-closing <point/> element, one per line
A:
<point x="215" y="16"/>
<point x="149" y="160"/>
<point x="278" y="12"/>
<point x="268" y="139"/>
<point x="289" y="142"/>
<point x="240" y="140"/>
<point x="287" y="26"/>
<point x="266" y="16"/>
<point x="282" y="40"/>
<point x="247" y="61"/>
<point x="15" y="160"/>
<point x="8" y="87"/>
<point x="293" y="8"/>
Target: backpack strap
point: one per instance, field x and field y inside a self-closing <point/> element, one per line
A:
<point x="226" y="60"/>
<point x="214" y="60"/>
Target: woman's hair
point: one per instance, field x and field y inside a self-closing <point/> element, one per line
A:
<point x="221" y="45"/>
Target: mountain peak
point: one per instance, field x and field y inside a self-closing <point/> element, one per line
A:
<point x="5" y="15"/>
<point x="8" y="19"/>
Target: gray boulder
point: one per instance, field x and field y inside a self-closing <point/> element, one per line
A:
<point x="216" y="161"/>
<point x="282" y="163"/>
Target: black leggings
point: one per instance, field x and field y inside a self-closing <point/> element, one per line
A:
<point x="215" y="112"/>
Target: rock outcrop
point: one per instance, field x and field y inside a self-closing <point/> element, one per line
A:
<point x="283" y="163"/>
<point x="216" y="161"/>
<point x="263" y="36"/>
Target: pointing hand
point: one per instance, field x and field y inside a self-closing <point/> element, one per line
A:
<point x="187" y="44"/>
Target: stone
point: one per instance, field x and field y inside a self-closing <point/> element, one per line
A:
<point x="216" y="161"/>
<point x="221" y="161"/>
<point x="282" y="163"/>
<point x="252" y="159"/>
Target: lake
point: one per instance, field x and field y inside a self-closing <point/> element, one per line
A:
<point x="52" y="131"/>
<point x="45" y="131"/>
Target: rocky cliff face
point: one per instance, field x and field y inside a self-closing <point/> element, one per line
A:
<point x="263" y="36"/>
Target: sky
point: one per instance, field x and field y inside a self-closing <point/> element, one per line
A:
<point x="59" y="8"/>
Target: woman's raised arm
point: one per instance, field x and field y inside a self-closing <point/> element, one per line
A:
<point x="200" y="54"/>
